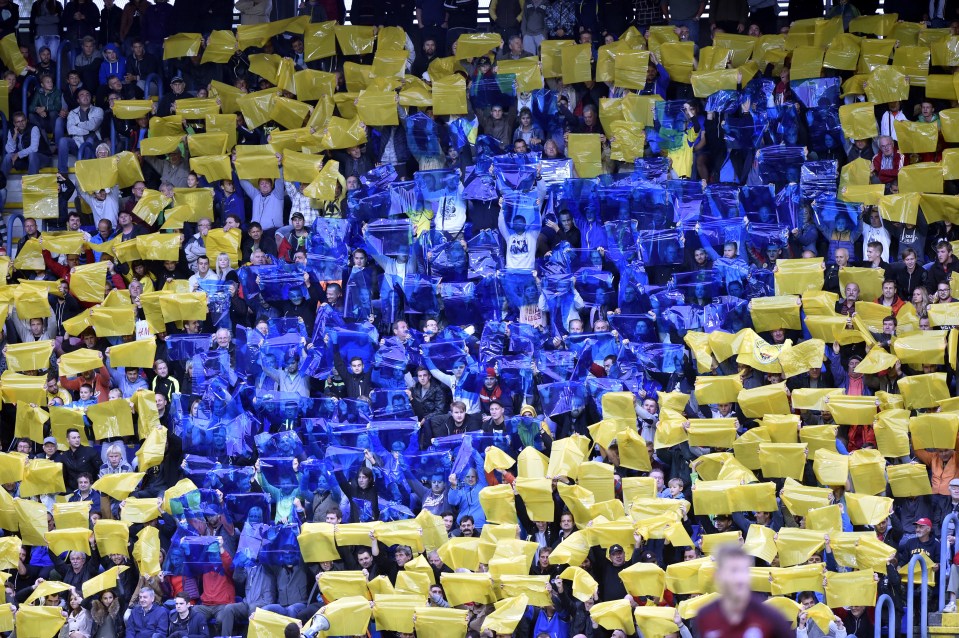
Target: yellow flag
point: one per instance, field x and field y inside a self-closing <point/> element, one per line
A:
<point x="655" y="621"/>
<point x="864" y="509"/>
<point x="32" y="520"/>
<point x="438" y="622"/>
<point x="40" y="196"/>
<point x="917" y="137"/>
<point x="506" y="616"/>
<point x="42" y="477"/>
<point x="924" y="390"/>
<point x="850" y="589"/>
<point x="908" y="480"/>
<point x="182" y="45"/>
<point x="32" y="355"/>
<point x="887" y="84"/>
<point x="927" y="346"/>
<point x="851" y="410"/>
<point x="39" y="621"/>
<point x="585" y="151"/>
<point x="139" y="510"/>
<point x="526" y="70"/>
<point x="97" y="174"/>
<point x="780" y="460"/>
<point x="644" y="579"/>
<point x="449" y="95"/>
<point x="462" y="588"/>
<point x="111" y="419"/>
<point x="266" y="624"/>
<point x="113" y="537"/>
<point x="924" y="177"/>
<point x="613" y="615"/>
<point x="795" y="276"/>
<point x="867" y="469"/>
<point x="10" y="54"/>
<point x="831" y="468"/>
<point x="67" y="515"/>
<point x="69" y="540"/>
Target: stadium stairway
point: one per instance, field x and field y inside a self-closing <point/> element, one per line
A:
<point x="946" y="625"/>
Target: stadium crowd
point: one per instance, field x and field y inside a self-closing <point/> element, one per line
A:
<point x="341" y="323"/>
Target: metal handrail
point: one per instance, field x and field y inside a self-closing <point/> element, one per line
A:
<point x="945" y="557"/>
<point x="65" y="46"/>
<point x="154" y="78"/>
<point x="13" y="217"/>
<point x="29" y="81"/>
<point x="883" y="601"/>
<point x="924" y="596"/>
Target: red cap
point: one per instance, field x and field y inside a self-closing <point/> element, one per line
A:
<point x="491" y="372"/>
<point x="924" y="521"/>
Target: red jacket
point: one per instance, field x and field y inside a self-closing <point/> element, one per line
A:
<point x="888" y="175"/>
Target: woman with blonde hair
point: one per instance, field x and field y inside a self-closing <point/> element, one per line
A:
<point x="920" y="299"/>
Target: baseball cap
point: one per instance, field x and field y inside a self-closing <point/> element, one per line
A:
<point x="49" y="439"/>
<point x="924" y="521"/>
<point x="483" y="61"/>
<point x="491" y="372"/>
<point x="176" y="78"/>
<point x="297" y="214"/>
<point x="616" y="548"/>
<point x="954" y="482"/>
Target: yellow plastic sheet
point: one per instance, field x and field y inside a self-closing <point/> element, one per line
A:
<point x="40" y="193"/>
<point x="781" y="460"/>
<point x="182" y="45"/>
<point x="449" y="96"/>
<point x="585" y="151"/>
<point x="33" y="355"/>
<point x="917" y="137"/>
<point x="11" y="56"/>
<point x="770" y="313"/>
<point x="908" y="480"/>
<point x="864" y="509"/>
<point x="576" y="63"/>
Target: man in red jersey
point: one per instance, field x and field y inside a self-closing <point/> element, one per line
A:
<point x="737" y="613"/>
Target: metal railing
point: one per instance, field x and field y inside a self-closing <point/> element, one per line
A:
<point x="885" y="601"/>
<point x="945" y="554"/>
<point x="153" y="78"/>
<point x="29" y="81"/>
<point x="12" y="219"/>
<point x="923" y="595"/>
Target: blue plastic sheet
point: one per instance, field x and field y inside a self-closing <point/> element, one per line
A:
<point x="780" y="164"/>
<point x="758" y="204"/>
<point x="818" y="179"/>
<point x="463" y="132"/>
<point x="521" y="212"/>
<point x="563" y="397"/>
<point x="638" y="328"/>
<point x="783" y="126"/>
<point x="280" y="546"/>
<point x="421" y="137"/>
<point x="201" y="555"/>
<point x="479" y="185"/>
<point x="241" y="507"/>
<point x="686" y="199"/>
<point x="661" y="247"/>
<point x="493" y="90"/>
<point x="653" y="169"/>
<point x="817" y="92"/>
<point x="720" y="201"/>
<point x="521" y="178"/>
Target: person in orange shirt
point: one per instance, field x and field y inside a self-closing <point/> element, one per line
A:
<point x="944" y="467"/>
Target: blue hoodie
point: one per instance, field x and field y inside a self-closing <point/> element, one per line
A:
<point x="118" y="68"/>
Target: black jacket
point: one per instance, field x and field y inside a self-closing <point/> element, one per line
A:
<point x="429" y="402"/>
<point x="75" y="462"/>
<point x="193" y="626"/>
